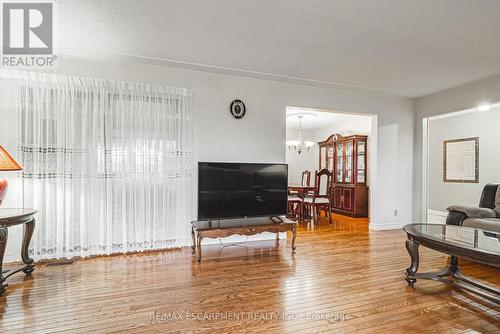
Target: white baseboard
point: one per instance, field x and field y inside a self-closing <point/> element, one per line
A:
<point x="387" y="226"/>
<point x="433" y="217"/>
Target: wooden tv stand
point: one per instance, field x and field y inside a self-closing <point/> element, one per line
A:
<point x="221" y="229"/>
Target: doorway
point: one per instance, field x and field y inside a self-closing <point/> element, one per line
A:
<point x="440" y="188"/>
<point x="345" y="144"/>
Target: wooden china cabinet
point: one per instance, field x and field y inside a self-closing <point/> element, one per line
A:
<point x="346" y="158"/>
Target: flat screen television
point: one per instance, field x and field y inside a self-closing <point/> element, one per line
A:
<point x="235" y="190"/>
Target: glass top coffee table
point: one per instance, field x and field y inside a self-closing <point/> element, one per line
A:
<point x="457" y="241"/>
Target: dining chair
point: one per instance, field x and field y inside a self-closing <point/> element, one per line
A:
<point x="306" y="181"/>
<point x="321" y="196"/>
<point x="294" y="200"/>
<point x="306" y="178"/>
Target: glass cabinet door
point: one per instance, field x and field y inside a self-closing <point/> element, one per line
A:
<point x="340" y="163"/>
<point x="361" y="162"/>
<point x="322" y="156"/>
<point x="329" y="164"/>
<point x="348" y="161"/>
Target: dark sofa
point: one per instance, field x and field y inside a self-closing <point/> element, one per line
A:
<point x="486" y="216"/>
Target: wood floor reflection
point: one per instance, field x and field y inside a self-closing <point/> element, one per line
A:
<point x="343" y="278"/>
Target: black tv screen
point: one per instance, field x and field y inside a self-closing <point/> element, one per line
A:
<point x="233" y="190"/>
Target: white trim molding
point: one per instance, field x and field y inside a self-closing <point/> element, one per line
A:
<point x="387" y="226"/>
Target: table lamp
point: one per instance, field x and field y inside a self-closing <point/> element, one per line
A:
<point x="7" y="163"/>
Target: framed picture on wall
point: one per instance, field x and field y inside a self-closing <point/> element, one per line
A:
<point x="461" y="160"/>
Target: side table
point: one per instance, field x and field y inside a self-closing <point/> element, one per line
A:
<point x="12" y="217"/>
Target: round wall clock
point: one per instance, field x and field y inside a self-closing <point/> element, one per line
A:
<point x="238" y="109"/>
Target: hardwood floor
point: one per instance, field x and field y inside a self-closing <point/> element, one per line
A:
<point x="343" y="278"/>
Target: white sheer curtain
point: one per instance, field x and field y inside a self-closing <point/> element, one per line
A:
<point x="108" y="165"/>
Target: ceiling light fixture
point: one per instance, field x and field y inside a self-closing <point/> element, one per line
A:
<point x="300" y="144"/>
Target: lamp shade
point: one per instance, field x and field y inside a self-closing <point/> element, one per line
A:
<point x="7" y="162"/>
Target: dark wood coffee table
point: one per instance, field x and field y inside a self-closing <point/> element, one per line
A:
<point x="220" y="229"/>
<point x="9" y="218"/>
<point x="457" y="241"/>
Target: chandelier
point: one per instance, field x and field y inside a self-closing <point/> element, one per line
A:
<point x="300" y="144"/>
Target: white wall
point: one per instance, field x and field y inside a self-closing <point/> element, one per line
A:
<point x="356" y="125"/>
<point x="482" y="124"/>
<point x="455" y="99"/>
<point x="306" y="160"/>
<point x="260" y="136"/>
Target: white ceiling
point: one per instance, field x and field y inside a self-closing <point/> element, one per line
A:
<point x="316" y="119"/>
<point x="403" y="47"/>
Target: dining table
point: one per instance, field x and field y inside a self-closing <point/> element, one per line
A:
<point x="301" y="192"/>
